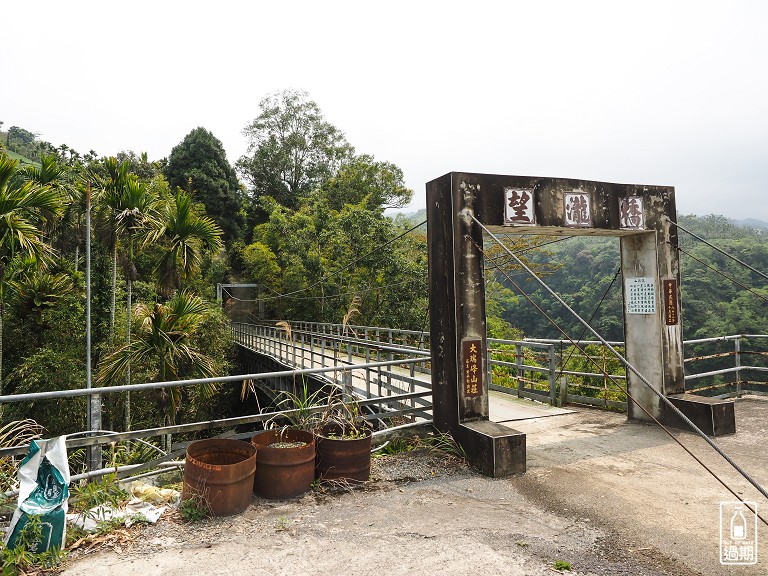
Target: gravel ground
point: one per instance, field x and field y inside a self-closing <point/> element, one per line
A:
<point x="421" y="512"/>
<point x="606" y="495"/>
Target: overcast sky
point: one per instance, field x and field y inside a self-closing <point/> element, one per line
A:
<point x="669" y="93"/>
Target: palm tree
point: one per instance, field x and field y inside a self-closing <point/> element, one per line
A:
<point x="133" y="215"/>
<point x="111" y="197"/>
<point x="23" y="206"/>
<point x="59" y="177"/>
<point x="35" y="291"/>
<point x="164" y="340"/>
<point x="189" y="234"/>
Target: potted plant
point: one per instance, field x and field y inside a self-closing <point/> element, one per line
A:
<point x="343" y="443"/>
<point x="285" y="454"/>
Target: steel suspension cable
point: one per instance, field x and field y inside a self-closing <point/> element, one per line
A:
<point x="629" y="396"/>
<point x="723" y="252"/>
<point x="337" y="295"/>
<point x="724" y="275"/>
<point x="628" y="365"/>
<point x="355" y="261"/>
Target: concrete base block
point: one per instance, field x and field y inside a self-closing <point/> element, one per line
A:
<point x="493" y="449"/>
<point x="715" y="416"/>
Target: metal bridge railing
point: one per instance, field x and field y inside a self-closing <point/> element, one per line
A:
<point x="400" y="368"/>
<point x="728" y="365"/>
<point x="413" y="405"/>
<point x="553" y="371"/>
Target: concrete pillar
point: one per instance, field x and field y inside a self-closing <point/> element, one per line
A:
<point x="458" y="332"/>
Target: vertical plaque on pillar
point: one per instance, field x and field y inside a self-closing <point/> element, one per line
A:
<point x="518" y="207"/>
<point x="671" y="315"/>
<point x="578" y="209"/>
<point x="472" y="364"/>
<point x="640" y="294"/>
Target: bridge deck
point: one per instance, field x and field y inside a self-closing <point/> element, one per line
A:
<point x="367" y="382"/>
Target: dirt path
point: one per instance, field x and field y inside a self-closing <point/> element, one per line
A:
<point x="607" y="496"/>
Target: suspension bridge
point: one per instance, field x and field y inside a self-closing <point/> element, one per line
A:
<point x="392" y="372"/>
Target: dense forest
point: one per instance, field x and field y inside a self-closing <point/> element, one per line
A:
<point x="719" y="296"/>
<point x="303" y="216"/>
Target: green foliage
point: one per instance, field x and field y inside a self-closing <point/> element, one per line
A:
<point x="562" y="565"/>
<point x="103" y="491"/>
<point x="259" y="265"/>
<point x="327" y="257"/>
<point x="47" y="370"/>
<point x="303" y="404"/>
<point x="188" y="235"/>
<point x="397" y="446"/>
<point x="445" y="443"/>
<point x="292" y="150"/>
<point x="194" y="508"/>
<point x="23" y="208"/>
<point x="25" y="556"/>
<point x="365" y="182"/>
<point x="199" y="165"/>
<point x="165" y="340"/>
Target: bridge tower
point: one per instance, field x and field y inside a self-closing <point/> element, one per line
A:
<point x="639" y="215"/>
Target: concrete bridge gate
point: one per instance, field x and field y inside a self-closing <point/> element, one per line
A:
<point x="639" y="215"/>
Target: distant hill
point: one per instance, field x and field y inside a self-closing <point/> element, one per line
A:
<point x="22" y="159"/>
<point x="752" y="223"/>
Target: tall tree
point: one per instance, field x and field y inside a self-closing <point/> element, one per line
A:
<point x="199" y="165"/>
<point x="22" y="209"/>
<point x="292" y="149"/>
<point x="364" y="181"/>
<point x="112" y="177"/>
<point x="165" y="342"/>
<point x="189" y="235"/>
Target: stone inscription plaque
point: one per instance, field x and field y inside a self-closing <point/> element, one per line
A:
<point x="641" y="295"/>
<point x="472" y="363"/>
<point x="518" y="207"/>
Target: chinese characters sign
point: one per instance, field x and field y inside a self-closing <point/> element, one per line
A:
<point x="472" y="364"/>
<point x="738" y="533"/>
<point x="641" y="295"/>
<point x="518" y="206"/>
<point x="631" y="213"/>
<point x="670" y="302"/>
<point x="578" y="209"/>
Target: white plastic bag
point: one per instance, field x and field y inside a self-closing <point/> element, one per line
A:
<point x="43" y="492"/>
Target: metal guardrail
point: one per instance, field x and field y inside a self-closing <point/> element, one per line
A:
<point x="717" y="376"/>
<point x="542" y="375"/>
<point x="543" y="369"/>
<point x="389" y="389"/>
<point x="388" y="369"/>
<point x="302" y="349"/>
<point x="536" y="369"/>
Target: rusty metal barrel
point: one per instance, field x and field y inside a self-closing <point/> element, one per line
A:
<point x="220" y="473"/>
<point x="285" y="463"/>
<point x="340" y="458"/>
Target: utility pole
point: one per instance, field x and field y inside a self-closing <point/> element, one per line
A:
<point x="94" y="400"/>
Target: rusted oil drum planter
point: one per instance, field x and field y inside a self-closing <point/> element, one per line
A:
<point x="220" y="471"/>
<point x="283" y="471"/>
<point x="340" y="458"/>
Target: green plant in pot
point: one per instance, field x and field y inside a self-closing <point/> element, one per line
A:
<point x="285" y="454"/>
<point x="343" y="443"/>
